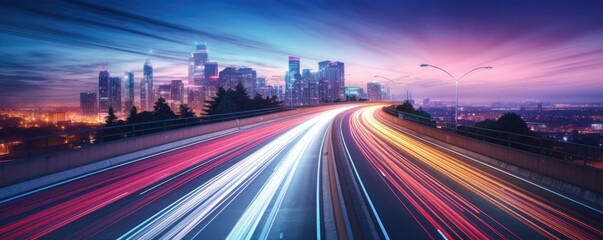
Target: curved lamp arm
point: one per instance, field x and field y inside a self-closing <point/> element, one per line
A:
<point x="475" y="69"/>
<point x="433" y="66"/>
<point x="379" y="76"/>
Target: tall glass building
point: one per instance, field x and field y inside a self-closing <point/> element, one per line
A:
<point x="146" y="87"/>
<point x="294" y="66"/>
<point x="334" y="74"/>
<point x="210" y="85"/>
<point x="103" y="90"/>
<point x="293" y="82"/>
<point x="115" y="93"/>
<point x="196" y="67"/>
<point x="129" y="91"/>
<point x="88" y="104"/>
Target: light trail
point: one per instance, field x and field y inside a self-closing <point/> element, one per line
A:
<point x="181" y="217"/>
<point x="318" y="183"/>
<point x="368" y="198"/>
<point x="40" y="213"/>
<point x="448" y="212"/>
<point x="280" y="181"/>
<point x="445" y="192"/>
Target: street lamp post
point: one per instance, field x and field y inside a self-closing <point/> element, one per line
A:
<point x="456" y="109"/>
<point x="391" y="96"/>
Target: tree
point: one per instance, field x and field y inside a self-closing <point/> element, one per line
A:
<point x="145" y="116"/>
<point x="508" y="123"/>
<point x="491" y="136"/>
<point x="226" y="104"/>
<point x="258" y="102"/>
<point x="237" y="100"/>
<point x="186" y="111"/>
<point x="274" y="102"/>
<point x="133" y="118"/>
<point x="212" y="105"/>
<point x="111" y="119"/>
<point x="512" y="122"/>
<point x="422" y="113"/>
<point x="406" y="107"/>
<point x="114" y="132"/>
<point x="161" y="111"/>
<point x="488" y="124"/>
<point x="240" y="98"/>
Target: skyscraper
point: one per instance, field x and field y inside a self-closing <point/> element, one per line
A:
<point x="309" y="89"/>
<point x="293" y="82"/>
<point x="231" y="76"/>
<point x="323" y="64"/>
<point x="202" y="77"/>
<point x="385" y="93"/>
<point x="129" y="91"/>
<point x="103" y="90"/>
<point x="164" y="91"/>
<point x="210" y="85"/>
<point x="334" y="74"/>
<point x="196" y="67"/>
<point x="196" y="98"/>
<point x="323" y="90"/>
<point x="374" y="91"/>
<point x="353" y="93"/>
<point x="261" y="82"/>
<point x="177" y="91"/>
<point x="88" y="104"/>
<point x="294" y="66"/>
<point x="248" y="77"/>
<point x="115" y="93"/>
<point x="146" y="87"/>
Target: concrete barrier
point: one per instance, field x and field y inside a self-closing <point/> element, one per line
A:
<point x="39" y="166"/>
<point x="552" y="172"/>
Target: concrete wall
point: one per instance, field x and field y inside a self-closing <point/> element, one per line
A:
<point x="576" y="174"/>
<point x="35" y="167"/>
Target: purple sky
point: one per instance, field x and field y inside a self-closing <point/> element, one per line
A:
<point x="540" y="50"/>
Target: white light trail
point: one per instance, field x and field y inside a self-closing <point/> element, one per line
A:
<point x="280" y="179"/>
<point x="179" y="218"/>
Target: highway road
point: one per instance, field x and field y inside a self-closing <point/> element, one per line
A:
<point x="340" y="172"/>
<point x="257" y="183"/>
<point x="423" y="189"/>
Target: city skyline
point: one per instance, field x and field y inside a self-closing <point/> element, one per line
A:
<point x="539" y="53"/>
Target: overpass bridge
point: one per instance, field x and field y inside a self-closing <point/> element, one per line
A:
<point x="341" y="171"/>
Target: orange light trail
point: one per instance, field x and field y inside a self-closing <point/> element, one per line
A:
<point x="401" y="160"/>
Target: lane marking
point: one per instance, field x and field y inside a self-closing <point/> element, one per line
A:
<point x="318" y="170"/>
<point x="248" y="222"/>
<point x="368" y="198"/>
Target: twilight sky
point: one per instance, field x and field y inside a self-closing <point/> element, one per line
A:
<point x="540" y="50"/>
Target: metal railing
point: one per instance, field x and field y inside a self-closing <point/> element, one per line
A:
<point x="578" y="153"/>
<point x="11" y="150"/>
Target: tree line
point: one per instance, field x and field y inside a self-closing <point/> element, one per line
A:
<point x="237" y="100"/>
<point x="418" y="115"/>
<point x="225" y="101"/>
<point x="509" y="130"/>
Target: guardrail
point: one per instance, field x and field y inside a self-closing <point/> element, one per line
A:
<point x="587" y="155"/>
<point x="35" y="146"/>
